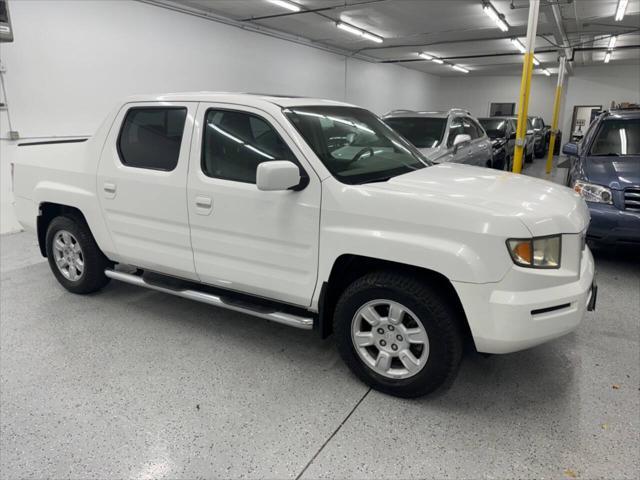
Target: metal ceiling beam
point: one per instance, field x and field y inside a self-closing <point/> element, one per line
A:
<point x="553" y="14"/>
<point x="256" y="28"/>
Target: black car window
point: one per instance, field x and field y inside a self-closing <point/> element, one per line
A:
<point x="235" y="143"/>
<point x="151" y="136"/>
<point x="496" y="127"/>
<point x="617" y="136"/>
<point x="421" y="131"/>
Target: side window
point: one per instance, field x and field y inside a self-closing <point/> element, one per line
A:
<point x="235" y="143"/>
<point x="150" y="137"/>
<point x="469" y="128"/>
<point x="456" y="128"/>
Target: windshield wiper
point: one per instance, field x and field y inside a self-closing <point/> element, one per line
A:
<point x="379" y="180"/>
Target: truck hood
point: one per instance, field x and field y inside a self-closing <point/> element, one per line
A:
<point x="544" y="207"/>
<point x="617" y="173"/>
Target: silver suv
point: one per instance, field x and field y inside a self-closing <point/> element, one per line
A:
<point x="453" y="136"/>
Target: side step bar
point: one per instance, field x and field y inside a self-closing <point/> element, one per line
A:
<point x="305" y="323"/>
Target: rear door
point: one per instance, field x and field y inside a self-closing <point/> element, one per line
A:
<point x="482" y="144"/>
<point x="244" y="239"/>
<point x="141" y="183"/>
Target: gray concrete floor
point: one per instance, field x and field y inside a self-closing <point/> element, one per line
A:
<point x="133" y="383"/>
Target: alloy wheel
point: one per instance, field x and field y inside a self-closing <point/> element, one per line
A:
<point x="390" y="339"/>
<point x="68" y="255"/>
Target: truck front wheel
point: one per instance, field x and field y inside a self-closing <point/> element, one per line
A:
<point x="74" y="257"/>
<point x="398" y="335"/>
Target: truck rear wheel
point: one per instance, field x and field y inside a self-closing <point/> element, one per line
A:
<point x="398" y="335"/>
<point x="74" y="257"/>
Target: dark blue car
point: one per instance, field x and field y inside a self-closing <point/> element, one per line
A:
<point x="605" y="170"/>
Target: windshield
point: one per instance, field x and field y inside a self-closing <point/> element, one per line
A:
<point x="617" y="137"/>
<point x="494" y="127"/>
<point x="355" y="145"/>
<point x="422" y="132"/>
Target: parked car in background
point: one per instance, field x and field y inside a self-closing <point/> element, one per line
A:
<point x="314" y="214"/>
<point x="502" y="132"/>
<point x="453" y="136"/>
<point x="541" y="134"/>
<point x="605" y="170"/>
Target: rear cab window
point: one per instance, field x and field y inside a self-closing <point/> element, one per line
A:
<point x="150" y="137"/>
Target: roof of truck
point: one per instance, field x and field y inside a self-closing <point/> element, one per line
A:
<point x="237" y="97"/>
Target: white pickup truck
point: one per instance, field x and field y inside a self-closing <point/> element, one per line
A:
<point x="315" y="214"/>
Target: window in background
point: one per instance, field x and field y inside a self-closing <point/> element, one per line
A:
<point x="502" y="109"/>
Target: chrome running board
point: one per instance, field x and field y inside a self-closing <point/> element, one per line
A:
<point x="305" y="323"/>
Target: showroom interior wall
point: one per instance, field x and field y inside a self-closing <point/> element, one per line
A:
<point x="586" y="86"/>
<point x="72" y="61"/>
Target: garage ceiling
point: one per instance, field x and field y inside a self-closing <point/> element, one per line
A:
<point x="458" y="31"/>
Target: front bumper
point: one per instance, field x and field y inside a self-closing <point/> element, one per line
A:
<point x="611" y="225"/>
<point x="504" y="321"/>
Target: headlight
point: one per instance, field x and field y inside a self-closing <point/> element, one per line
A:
<point x="541" y="252"/>
<point x="593" y="193"/>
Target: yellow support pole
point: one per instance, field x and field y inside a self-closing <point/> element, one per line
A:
<point x="556" y="114"/>
<point x="525" y="86"/>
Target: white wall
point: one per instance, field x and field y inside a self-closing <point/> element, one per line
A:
<point x="477" y="93"/>
<point x="597" y="85"/>
<point x="72" y="61"/>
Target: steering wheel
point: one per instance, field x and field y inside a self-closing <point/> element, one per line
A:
<point x="360" y="153"/>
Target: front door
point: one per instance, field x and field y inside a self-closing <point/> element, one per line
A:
<point x="245" y="239"/>
<point x="141" y="184"/>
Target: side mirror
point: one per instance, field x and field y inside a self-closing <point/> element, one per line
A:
<point x="570" y="149"/>
<point x="530" y="132"/>
<point x="459" y="140"/>
<point x="512" y="136"/>
<point x="277" y="175"/>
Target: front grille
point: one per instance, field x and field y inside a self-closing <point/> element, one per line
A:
<point x="632" y="199"/>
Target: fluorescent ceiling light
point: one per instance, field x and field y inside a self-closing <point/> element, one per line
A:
<point x="518" y="44"/>
<point x="546" y="72"/>
<point x="612" y="42"/>
<point x="607" y="57"/>
<point x="286" y="4"/>
<point x="622" y="7"/>
<point x="348" y="28"/>
<point x="536" y="62"/>
<point x="372" y="37"/>
<point x="426" y="56"/>
<point x="437" y="60"/>
<point x="493" y="14"/>
<point x="359" y="32"/>
<point x="459" y="68"/>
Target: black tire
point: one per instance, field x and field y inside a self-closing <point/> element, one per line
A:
<point x="540" y="153"/>
<point x="92" y="277"/>
<point x="528" y="158"/>
<point x="441" y="320"/>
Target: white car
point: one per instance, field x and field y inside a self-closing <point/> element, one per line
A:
<point x="315" y="214"/>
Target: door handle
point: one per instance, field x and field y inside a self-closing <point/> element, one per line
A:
<point x="203" y="205"/>
<point x="109" y="189"/>
<point x="203" y="202"/>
